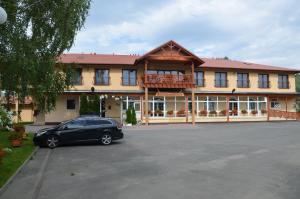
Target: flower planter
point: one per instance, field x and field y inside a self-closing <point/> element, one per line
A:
<point x="170" y="113"/>
<point x="203" y="113"/>
<point x="16" y="143"/>
<point x="223" y="113"/>
<point x="254" y="112"/>
<point x="263" y="112"/>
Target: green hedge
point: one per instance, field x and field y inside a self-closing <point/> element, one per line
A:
<point x="89" y="104"/>
<point x="131" y="116"/>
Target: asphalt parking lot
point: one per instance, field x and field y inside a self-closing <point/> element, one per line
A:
<point x="209" y="161"/>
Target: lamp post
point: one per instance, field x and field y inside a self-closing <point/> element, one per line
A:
<point x="3" y="16"/>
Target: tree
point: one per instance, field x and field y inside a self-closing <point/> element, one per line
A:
<point x="94" y="104"/>
<point x="128" y="116"/>
<point x="35" y="35"/>
<point x="133" y="116"/>
<point x="84" y="106"/>
<point x="298" y="82"/>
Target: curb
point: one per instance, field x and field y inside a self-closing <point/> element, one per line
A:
<point x="11" y="179"/>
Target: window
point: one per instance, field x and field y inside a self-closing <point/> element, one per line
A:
<point x="75" y="124"/>
<point x="165" y="72"/>
<point x="275" y="103"/>
<point x="283" y="81"/>
<point x="199" y="78"/>
<point x="220" y="79"/>
<point x="263" y="81"/>
<point x="129" y="78"/>
<point x="101" y="77"/>
<point x="243" y="80"/>
<point x="71" y="104"/>
<point x="76" y="77"/>
<point x="97" y="122"/>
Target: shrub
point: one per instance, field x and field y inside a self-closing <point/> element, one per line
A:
<point x="94" y="104"/>
<point x="133" y="116"/>
<point x="6" y="117"/>
<point x="128" y="116"/>
<point x="84" y="107"/>
<point x="89" y="104"/>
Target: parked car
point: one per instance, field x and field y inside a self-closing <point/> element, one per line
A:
<point x="81" y="129"/>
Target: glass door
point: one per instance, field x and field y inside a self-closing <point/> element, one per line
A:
<point x="158" y="107"/>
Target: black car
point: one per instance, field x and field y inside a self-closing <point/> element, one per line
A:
<point x="81" y="129"/>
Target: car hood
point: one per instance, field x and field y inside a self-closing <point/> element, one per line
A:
<point x="48" y="129"/>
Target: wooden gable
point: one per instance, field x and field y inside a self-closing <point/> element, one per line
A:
<point x="171" y="51"/>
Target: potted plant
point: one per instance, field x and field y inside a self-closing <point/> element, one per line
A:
<point x="15" y="139"/>
<point x="2" y="153"/>
<point x="170" y="113"/>
<point x="244" y="112"/>
<point x="223" y="113"/>
<point x="158" y="112"/>
<point x="21" y="129"/>
<point x="254" y="112"/>
<point x="263" y="111"/>
<point x="203" y="113"/>
<point x="213" y="113"/>
<point x="234" y="112"/>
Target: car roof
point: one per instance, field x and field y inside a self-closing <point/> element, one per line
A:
<point x="93" y="117"/>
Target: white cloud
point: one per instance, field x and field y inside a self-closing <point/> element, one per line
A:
<point x="264" y="31"/>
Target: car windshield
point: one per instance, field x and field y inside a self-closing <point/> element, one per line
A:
<point x="63" y="123"/>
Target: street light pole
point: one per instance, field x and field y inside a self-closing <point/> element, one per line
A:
<point x="3" y="16"/>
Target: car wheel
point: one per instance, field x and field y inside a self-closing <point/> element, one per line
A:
<point x="52" y="141"/>
<point x="106" y="139"/>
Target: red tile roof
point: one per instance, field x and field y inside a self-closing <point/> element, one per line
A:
<point x="223" y="63"/>
<point x="130" y="60"/>
<point x="94" y="58"/>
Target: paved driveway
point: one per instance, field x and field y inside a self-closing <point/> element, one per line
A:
<point x="210" y="161"/>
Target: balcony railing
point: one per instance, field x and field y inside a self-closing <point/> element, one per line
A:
<point x="169" y="81"/>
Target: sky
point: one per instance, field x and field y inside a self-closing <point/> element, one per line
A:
<point x="259" y="31"/>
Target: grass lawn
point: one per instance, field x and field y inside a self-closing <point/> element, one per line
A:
<point x="12" y="161"/>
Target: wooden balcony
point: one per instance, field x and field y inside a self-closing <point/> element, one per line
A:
<point x="168" y="81"/>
